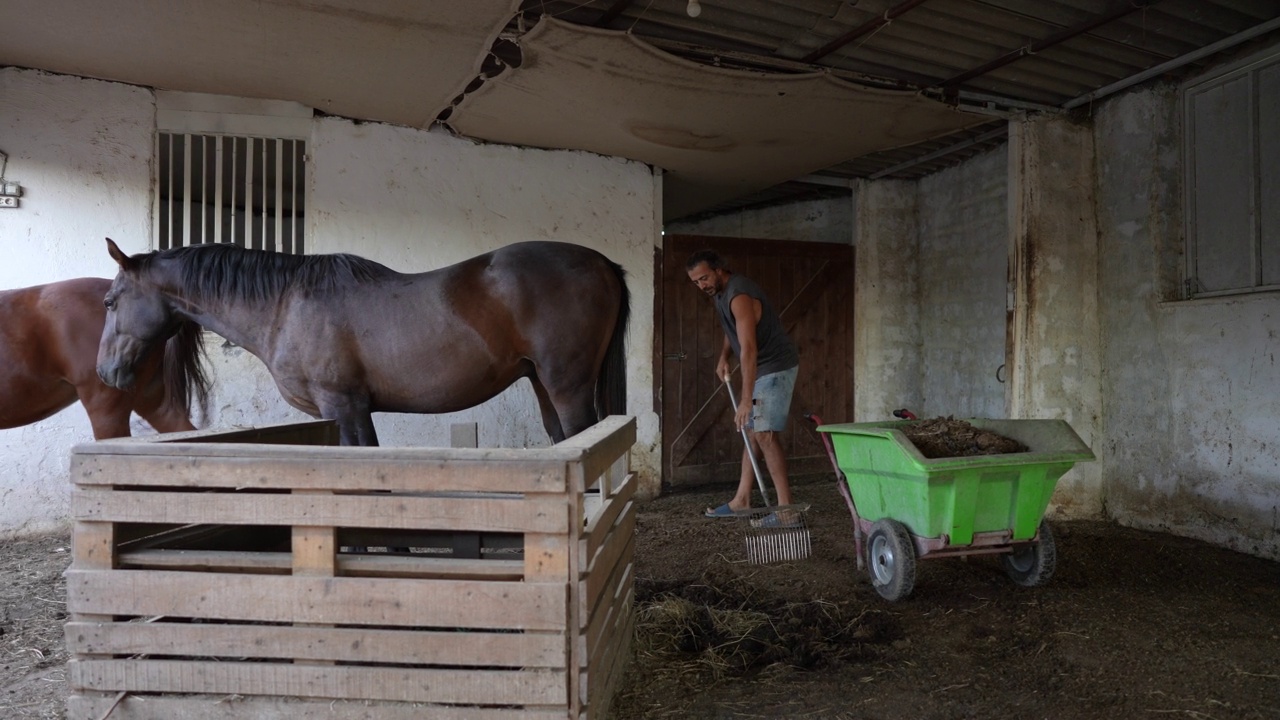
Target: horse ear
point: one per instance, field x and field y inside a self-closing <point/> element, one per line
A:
<point x="118" y="255"/>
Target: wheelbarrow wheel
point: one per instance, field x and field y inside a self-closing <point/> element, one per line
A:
<point x="1032" y="565"/>
<point x="891" y="559"/>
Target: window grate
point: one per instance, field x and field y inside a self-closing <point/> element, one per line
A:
<point x="230" y="189"/>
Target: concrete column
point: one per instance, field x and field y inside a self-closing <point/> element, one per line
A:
<point x="887" y="360"/>
<point x="1054" y="356"/>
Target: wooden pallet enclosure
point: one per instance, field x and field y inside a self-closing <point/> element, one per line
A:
<point x="211" y="577"/>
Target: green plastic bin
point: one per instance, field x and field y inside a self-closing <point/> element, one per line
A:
<point x="956" y="497"/>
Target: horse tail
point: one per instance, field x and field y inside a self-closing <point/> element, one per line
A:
<point x="186" y="378"/>
<point x="611" y="388"/>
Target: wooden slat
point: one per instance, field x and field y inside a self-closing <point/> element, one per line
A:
<point x="602" y="444"/>
<point x="499" y="514"/>
<point x="315" y="547"/>
<point x="618" y="548"/>
<point x="92" y="545"/>
<point x="603" y="615"/>
<point x="354" y="565"/>
<point x="500" y="649"/>
<point x="609" y="659"/>
<point x="322" y="468"/>
<point x="350" y="601"/>
<point x="312" y="432"/>
<point x="489" y="687"/>
<point x="602" y="524"/>
<point x="236" y="707"/>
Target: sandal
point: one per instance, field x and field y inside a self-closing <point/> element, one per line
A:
<point x="724" y="511"/>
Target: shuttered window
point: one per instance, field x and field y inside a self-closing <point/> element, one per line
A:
<point x="1232" y="153"/>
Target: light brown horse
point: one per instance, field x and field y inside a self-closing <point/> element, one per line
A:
<point x="48" y="355"/>
<point x="345" y="337"/>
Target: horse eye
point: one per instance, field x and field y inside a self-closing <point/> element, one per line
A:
<point x="109" y="304"/>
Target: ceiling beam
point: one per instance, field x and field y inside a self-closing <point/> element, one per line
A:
<point x="869" y="26"/>
<point x="1207" y="50"/>
<point x="999" y="132"/>
<point x="1119" y="10"/>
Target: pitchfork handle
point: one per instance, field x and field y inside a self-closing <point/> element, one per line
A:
<point x="755" y="466"/>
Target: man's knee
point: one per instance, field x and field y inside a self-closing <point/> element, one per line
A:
<point x="767" y="439"/>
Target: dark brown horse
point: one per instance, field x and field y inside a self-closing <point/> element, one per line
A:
<point x="345" y="337"/>
<point x="48" y="355"/>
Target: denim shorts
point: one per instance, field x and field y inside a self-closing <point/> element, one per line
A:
<point x="771" y="401"/>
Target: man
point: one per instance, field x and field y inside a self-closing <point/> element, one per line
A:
<point x="769" y="365"/>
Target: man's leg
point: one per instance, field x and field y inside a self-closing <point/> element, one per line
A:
<point x="746" y="481"/>
<point x="771" y="448"/>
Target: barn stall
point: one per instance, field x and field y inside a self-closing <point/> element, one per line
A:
<point x="1042" y="276"/>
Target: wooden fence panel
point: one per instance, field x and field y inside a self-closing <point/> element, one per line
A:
<point x="208" y="573"/>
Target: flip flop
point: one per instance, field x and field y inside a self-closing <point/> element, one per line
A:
<point x="724" y="511"/>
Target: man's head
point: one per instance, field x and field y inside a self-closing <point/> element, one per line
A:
<point x="708" y="271"/>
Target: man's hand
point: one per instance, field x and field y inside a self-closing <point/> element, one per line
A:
<point x="743" y="415"/>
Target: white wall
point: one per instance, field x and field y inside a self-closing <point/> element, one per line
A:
<point x="413" y="200"/>
<point x="81" y="149"/>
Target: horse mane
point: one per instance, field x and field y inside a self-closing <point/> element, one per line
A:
<point x="185" y="366"/>
<point x="228" y="271"/>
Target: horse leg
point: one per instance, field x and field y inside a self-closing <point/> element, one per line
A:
<point x="575" y="407"/>
<point x="350" y="411"/>
<point x="355" y="428"/>
<point x="550" y="416"/>
<point x="166" y="417"/>
<point x="108" y="410"/>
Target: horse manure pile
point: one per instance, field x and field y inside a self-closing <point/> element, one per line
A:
<point x="943" y="437"/>
<point x="727" y="629"/>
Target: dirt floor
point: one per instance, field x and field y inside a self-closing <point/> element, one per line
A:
<point x="1132" y="625"/>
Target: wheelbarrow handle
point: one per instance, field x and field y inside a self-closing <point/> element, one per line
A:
<point x="826" y="443"/>
<point x="843" y="486"/>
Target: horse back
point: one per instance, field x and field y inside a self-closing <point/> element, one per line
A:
<point x="55" y="327"/>
<point x="546" y="289"/>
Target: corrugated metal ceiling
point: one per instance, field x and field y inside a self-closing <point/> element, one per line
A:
<point x="999" y="55"/>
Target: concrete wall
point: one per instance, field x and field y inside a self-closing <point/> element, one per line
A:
<point x="1191" y="443"/>
<point x="963" y="230"/>
<point x="413" y="200"/>
<point x="887" y="362"/>
<point x="1055" y="344"/>
<point x="829" y="220"/>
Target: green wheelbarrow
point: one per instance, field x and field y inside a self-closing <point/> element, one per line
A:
<point x="907" y="507"/>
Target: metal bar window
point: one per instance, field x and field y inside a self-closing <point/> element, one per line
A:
<point x="243" y="190"/>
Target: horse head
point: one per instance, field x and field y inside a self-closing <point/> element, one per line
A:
<point x="138" y="317"/>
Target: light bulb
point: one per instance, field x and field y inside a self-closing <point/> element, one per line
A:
<point x="694" y="8"/>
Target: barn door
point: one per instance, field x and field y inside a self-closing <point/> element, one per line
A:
<point x="811" y="285"/>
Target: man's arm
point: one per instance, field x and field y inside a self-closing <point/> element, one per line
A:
<point x="722" y="364"/>
<point x="746" y="315"/>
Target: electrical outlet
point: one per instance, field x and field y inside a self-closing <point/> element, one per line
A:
<point x="8" y="201"/>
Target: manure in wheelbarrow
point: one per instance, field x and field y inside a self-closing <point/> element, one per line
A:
<point x="942" y="437"/>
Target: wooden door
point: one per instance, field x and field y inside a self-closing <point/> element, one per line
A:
<point x="811" y="286"/>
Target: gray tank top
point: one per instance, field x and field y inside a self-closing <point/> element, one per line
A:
<point x="775" y="351"/>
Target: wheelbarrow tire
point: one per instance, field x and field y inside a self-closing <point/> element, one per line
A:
<point x="891" y="559"/>
<point x="1033" y="564"/>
